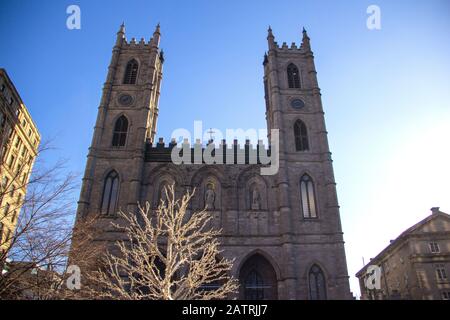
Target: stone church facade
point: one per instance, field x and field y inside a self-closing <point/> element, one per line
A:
<point x="283" y="230"/>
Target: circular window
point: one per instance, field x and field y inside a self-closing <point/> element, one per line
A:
<point x="125" y="99"/>
<point x="297" y="103"/>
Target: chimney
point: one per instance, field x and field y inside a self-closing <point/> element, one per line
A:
<point x="434" y="210"/>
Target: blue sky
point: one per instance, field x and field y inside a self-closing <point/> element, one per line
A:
<point x="385" y="92"/>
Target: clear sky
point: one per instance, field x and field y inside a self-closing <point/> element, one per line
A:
<point x="385" y="92"/>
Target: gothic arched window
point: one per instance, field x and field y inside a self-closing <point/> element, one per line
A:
<point x="110" y="193"/>
<point x="293" y="76"/>
<point x="317" y="284"/>
<point x="301" y="136"/>
<point x="308" y="197"/>
<point x="131" y="72"/>
<point x="120" y="132"/>
<point x="258" y="280"/>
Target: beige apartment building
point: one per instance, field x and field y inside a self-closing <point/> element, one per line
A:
<point x="414" y="266"/>
<point x="19" y="141"/>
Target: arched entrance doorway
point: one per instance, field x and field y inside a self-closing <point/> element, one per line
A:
<point x="257" y="279"/>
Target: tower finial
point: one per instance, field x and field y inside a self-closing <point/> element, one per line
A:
<point x="157" y="30"/>
<point x="120" y="34"/>
<point x="305" y="41"/>
<point x="305" y="34"/>
<point x="270" y="39"/>
<point x="156" y="35"/>
<point x="122" y="27"/>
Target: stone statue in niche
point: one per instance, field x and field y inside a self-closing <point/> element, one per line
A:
<point x="210" y="197"/>
<point x="256" y="200"/>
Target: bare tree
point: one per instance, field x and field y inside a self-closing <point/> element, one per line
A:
<point x="170" y="255"/>
<point x="33" y="258"/>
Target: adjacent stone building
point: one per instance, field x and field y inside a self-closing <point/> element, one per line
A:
<point x="415" y="265"/>
<point x="19" y="140"/>
<point x="284" y="230"/>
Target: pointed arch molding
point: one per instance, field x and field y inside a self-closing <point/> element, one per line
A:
<point x="120" y="114"/>
<point x="208" y="177"/>
<point x="264" y="254"/>
<point x="248" y="180"/>
<point x="319" y="264"/>
<point x="157" y="178"/>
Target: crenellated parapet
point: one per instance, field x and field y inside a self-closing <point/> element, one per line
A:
<point x="123" y="43"/>
<point x="133" y="43"/>
<point x="303" y="47"/>
<point x="224" y="153"/>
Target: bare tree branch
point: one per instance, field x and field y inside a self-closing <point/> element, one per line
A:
<point x="170" y="255"/>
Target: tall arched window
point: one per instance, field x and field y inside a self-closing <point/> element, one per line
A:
<point x="293" y="76"/>
<point x="131" y="72"/>
<point x="110" y="193"/>
<point x="301" y="136"/>
<point x="317" y="284"/>
<point x="120" y="132"/>
<point x="308" y="197"/>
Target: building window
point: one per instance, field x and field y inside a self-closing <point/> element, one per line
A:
<point x="4" y="150"/>
<point x="434" y="247"/>
<point x="6" y="210"/>
<point x="12" y="191"/>
<point x="301" y="136"/>
<point x="445" y="295"/>
<point x="440" y="272"/>
<point x="110" y="194"/>
<point x="317" y="285"/>
<point x="3" y="87"/>
<point x="14" y="217"/>
<point x="120" y="132"/>
<point x="11" y="161"/>
<point x="258" y="280"/>
<point x="131" y="72"/>
<point x="11" y="101"/>
<point x="254" y="286"/>
<point x="5" y="182"/>
<point x="308" y="198"/>
<point x="293" y="76"/>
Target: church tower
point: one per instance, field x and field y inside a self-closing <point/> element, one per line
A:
<point x="305" y="184"/>
<point x="126" y="122"/>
